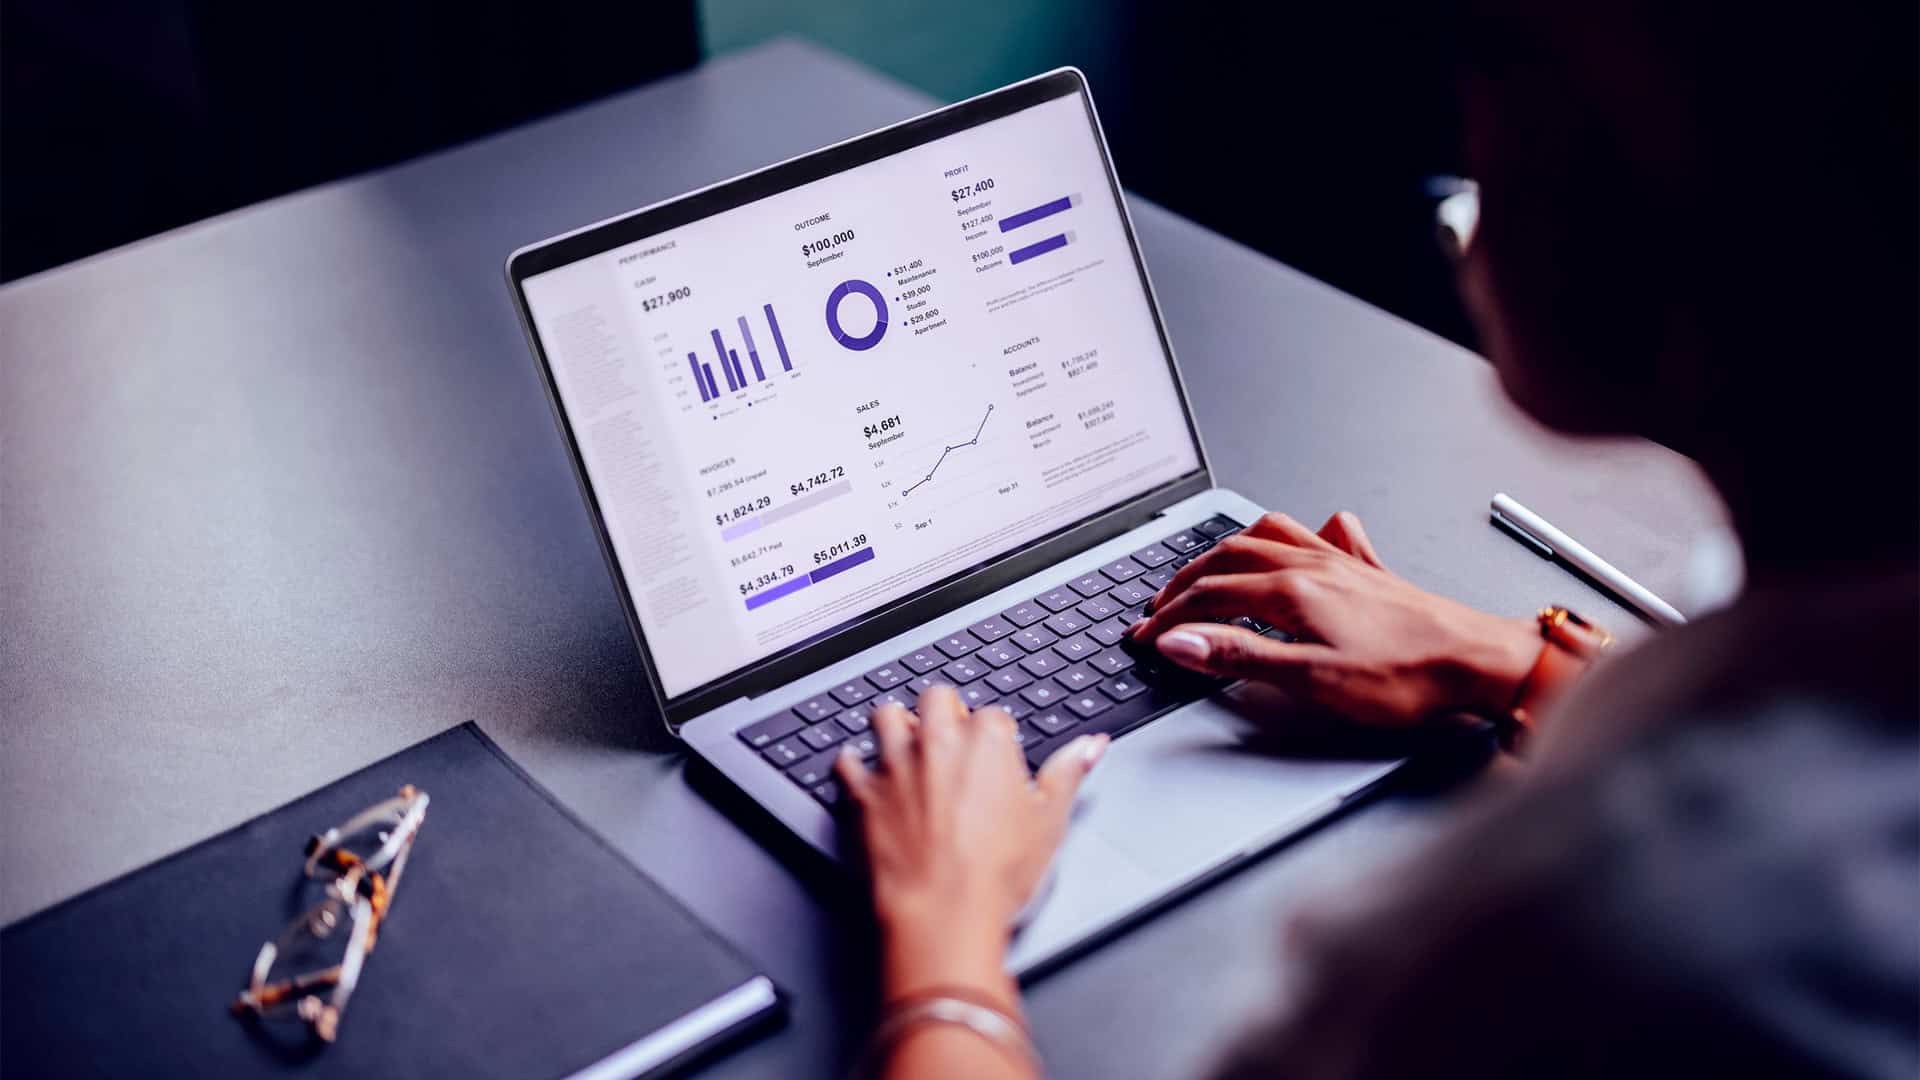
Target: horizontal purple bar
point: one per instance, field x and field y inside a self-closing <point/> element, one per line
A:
<point x="1028" y="217"/>
<point x="845" y="562"/>
<point x="1020" y="255"/>
<point x="778" y="591"/>
<point x="740" y="529"/>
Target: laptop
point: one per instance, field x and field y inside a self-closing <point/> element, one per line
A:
<point x="899" y="412"/>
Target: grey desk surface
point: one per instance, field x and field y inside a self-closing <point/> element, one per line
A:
<point x="280" y="494"/>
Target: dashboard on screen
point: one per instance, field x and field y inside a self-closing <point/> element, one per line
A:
<point x="801" y="409"/>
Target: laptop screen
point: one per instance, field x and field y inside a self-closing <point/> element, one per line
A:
<point x="801" y="409"/>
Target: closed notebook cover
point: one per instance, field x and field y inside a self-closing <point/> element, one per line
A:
<point x="519" y="944"/>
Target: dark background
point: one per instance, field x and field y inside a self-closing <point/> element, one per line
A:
<point x="1303" y="130"/>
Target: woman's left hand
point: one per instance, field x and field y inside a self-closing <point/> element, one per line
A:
<point x="957" y="837"/>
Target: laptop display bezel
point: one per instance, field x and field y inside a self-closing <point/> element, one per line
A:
<point x="931" y="601"/>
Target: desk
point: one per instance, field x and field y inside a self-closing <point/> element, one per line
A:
<point x="280" y="494"/>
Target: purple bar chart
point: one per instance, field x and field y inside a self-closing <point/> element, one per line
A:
<point x="731" y="365"/>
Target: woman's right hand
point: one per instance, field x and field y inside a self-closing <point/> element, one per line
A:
<point x="1371" y="645"/>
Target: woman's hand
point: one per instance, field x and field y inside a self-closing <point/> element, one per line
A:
<point x="957" y="838"/>
<point x="1372" y="647"/>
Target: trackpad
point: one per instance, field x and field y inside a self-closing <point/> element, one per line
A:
<point x="1199" y="786"/>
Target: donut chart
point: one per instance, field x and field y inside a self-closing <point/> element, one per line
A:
<point x="841" y="292"/>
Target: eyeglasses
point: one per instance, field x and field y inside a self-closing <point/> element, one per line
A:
<point x="1456" y="213"/>
<point x="322" y="951"/>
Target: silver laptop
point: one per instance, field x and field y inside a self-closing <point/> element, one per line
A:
<point x="902" y="412"/>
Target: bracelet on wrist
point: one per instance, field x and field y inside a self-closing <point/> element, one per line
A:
<point x="1569" y="645"/>
<point x="959" y="1007"/>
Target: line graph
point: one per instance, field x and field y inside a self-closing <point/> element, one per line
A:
<point x="975" y="441"/>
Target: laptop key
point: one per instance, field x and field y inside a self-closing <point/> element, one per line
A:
<point x="1087" y="706"/>
<point x="975" y="695"/>
<point x="767" y="731"/>
<point x="1025" y="614"/>
<point x="1184" y="542"/>
<point x="1038" y="751"/>
<point x="1151" y="557"/>
<point x="1130" y="594"/>
<point x="1077" y="647"/>
<point x="1158" y="579"/>
<point x="1035" y="638"/>
<point x="1215" y="528"/>
<point x="786" y="752"/>
<point x="1000" y="654"/>
<point x="852" y="692"/>
<point x="920" y="684"/>
<point x="1090" y="584"/>
<point x="827" y="793"/>
<point x="855" y="720"/>
<point x="992" y="628"/>
<point x="1123" y="687"/>
<point x="1043" y="663"/>
<point x="964" y="670"/>
<point x="1059" y="599"/>
<point x="1099" y="607"/>
<point x="958" y="643"/>
<point x="814" y="770"/>
<point x="888" y="676"/>
<point x="1110" y="662"/>
<point x="867" y="745"/>
<point x="1123" y="569"/>
<point x="1007" y="680"/>
<point x="1111" y="632"/>
<point x="921" y="661"/>
<point x="1016" y="706"/>
<point x="817" y="708"/>
<point x="824" y="734"/>
<point x="1067" y="623"/>
<point x="1053" y="721"/>
<point x="899" y="696"/>
<point x="1024" y="735"/>
<point x="1043" y="694"/>
<point x="1077" y="678"/>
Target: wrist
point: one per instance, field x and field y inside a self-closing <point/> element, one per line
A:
<point x="956" y="946"/>
<point x="1497" y="663"/>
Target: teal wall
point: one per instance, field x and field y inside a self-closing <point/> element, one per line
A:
<point x="951" y="50"/>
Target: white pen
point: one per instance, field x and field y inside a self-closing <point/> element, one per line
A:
<point x="1538" y="533"/>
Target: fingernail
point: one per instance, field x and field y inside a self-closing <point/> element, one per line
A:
<point x="1096" y="749"/>
<point x="1185" y="646"/>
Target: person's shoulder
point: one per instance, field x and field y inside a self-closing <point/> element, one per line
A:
<point x="1753" y="872"/>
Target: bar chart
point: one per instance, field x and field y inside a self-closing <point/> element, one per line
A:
<point x="779" y="513"/>
<point x="729" y="358"/>
<point x="794" y="585"/>
<point x="1039" y="213"/>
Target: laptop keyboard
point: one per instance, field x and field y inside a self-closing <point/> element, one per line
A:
<point x="1059" y="663"/>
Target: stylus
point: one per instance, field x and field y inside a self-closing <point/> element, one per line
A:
<point x="1540" y="534"/>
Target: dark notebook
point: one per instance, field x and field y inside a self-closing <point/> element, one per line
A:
<point x="519" y="944"/>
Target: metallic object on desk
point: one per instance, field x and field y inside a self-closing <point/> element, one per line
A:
<point x="359" y="893"/>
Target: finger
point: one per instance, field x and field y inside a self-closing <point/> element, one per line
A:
<point x="1343" y="531"/>
<point x="1237" y="554"/>
<point x="1278" y="526"/>
<point x="1271" y="595"/>
<point x="1060" y="775"/>
<point x="991" y="732"/>
<point x="895" y="732"/>
<point x="1235" y="653"/>
<point x="853" y="774"/>
<point x="941" y="714"/>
